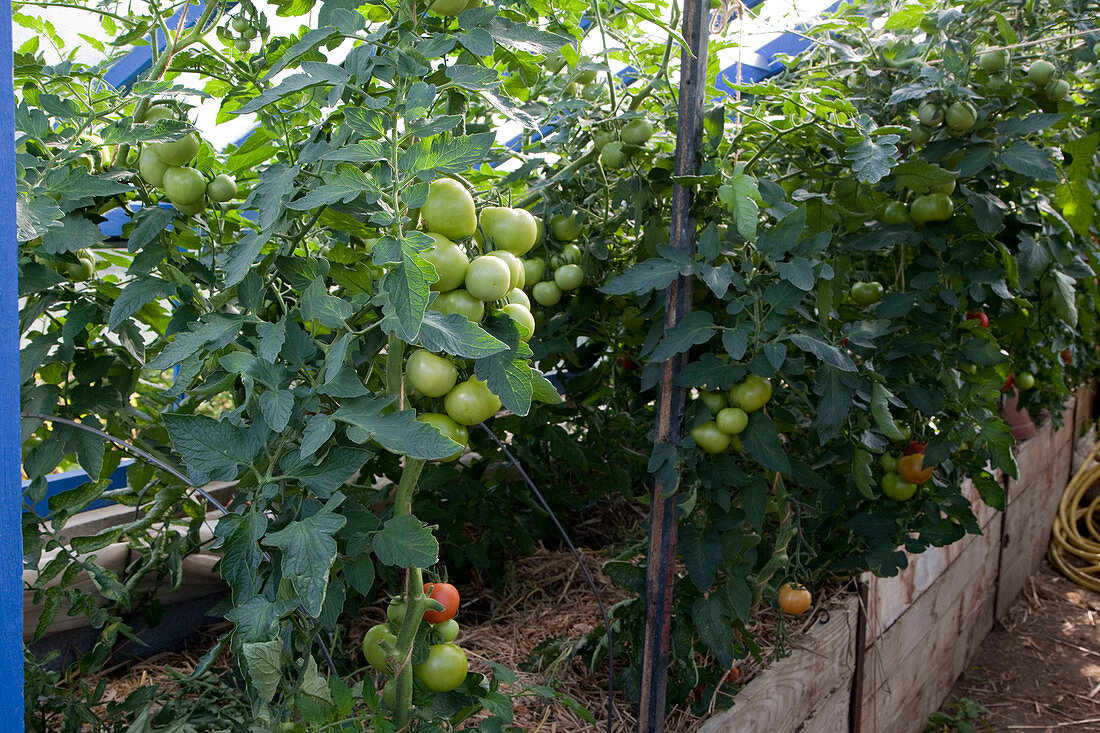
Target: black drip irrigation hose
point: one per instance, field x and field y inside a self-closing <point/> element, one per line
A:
<point x="584" y="569"/>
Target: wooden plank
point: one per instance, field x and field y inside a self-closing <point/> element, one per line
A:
<point x="794" y="689"/>
<point x="913" y="664"/>
<point x="831" y="715"/>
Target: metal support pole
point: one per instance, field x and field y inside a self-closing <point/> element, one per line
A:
<point x="661" y="559"/>
<point x="11" y="490"/>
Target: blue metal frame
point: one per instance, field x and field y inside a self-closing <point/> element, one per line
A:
<point x="11" y="532"/>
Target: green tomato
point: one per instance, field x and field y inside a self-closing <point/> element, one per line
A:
<point x="601" y="138"/>
<point x="752" y="394"/>
<point x="449" y="209"/>
<point x="249" y="33"/>
<point x="191" y="209"/>
<point x="732" y="420"/>
<point x="930" y="114"/>
<point x="471" y="402"/>
<point x="947" y="188"/>
<point x="521" y="315"/>
<point x="449" y="429"/>
<point x="178" y="152"/>
<point x="240" y="24"/>
<point x="222" y="189"/>
<point x="919" y="134"/>
<point x="867" y="293"/>
<point x="569" y="277"/>
<point x="565" y="228"/>
<point x="636" y="132"/>
<point x="994" y="61"/>
<point x="242" y="45"/>
<point x="715" y="402"/>
<point x="961" y="116"/>
<point x="515" y="295"/>
<point x="896" y="489"/>
<point x="389" y="693"/>
<point x="533" y="269"/>
<point x="1040" y="72"/>
<point x="372" y="646"/>
<point x="461" y="302"/>
<point x="488" y="278"/>
<point x="931" y="207"/>
<point x="612" y="155"/>
<point x="546" y="293"/>
<point x="184" y="186"/>
<point x="513" y="230"/>
<point x="889" y="463"/>
<point x="1025" y="381"/>
<point x="515" y="267"/>
<point x="444" y="669"/>
<point x="83" y="269"/>
<point x="1057" y="90"/>
<point x="151" y="167"/>
<point x="586" y="77"/>
<point x="896" y="213"/>
<point x="710" y="439"/>
<point x="571" y="254"/>
<point x="429" y="374"/>
<point x="446" y="631"/>
<point x="158" y="112"/>
<point x="447" y="7"/>
<point x="395" y="612"/>
<point x="449" y="261"/>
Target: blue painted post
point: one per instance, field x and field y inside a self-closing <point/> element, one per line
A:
<point x="11" y="490"/>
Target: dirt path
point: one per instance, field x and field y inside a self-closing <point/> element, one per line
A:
<point x="1039" y="669"/>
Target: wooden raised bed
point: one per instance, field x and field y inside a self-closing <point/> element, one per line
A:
<point x="923" y="626"/>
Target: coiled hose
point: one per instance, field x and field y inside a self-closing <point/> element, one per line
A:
<point x="1076" y="531"/>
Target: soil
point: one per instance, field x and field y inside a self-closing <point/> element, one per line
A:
<point x="1039" y="669"/>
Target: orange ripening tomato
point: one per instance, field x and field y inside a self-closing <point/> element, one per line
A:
<point x="446" y="594"/>
<point x="911" y="469"/>
<point x="794" y="599"/>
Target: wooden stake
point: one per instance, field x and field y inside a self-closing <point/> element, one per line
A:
<point x="670" y="404"/>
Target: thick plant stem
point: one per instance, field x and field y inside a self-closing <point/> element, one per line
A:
<point x="416" y="602"/>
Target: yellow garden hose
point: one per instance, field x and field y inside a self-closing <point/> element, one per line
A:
<point x="1077" y="527"/>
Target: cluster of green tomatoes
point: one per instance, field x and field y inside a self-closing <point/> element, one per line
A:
<point x="166" y="166"/>
<point x="445" y="666"/>
<point x="469" y="286"/>
<point x="731" y="414"/>
<point x="246" y="33"/>
<point x="615" y="153"/>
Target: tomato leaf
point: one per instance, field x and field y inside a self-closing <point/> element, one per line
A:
<point x="237" y="537"/>
<point x="454" y="334"/>
<point x="655" y="273"/>
<point x="711" y="621"/>
<point x="695" y="328"/>
<point x="762" y="444"/>
<point x="827" y="353"/>
<point x="861" y="472"/>
<point x="1029" y="161"/>
<point x="308" y="551"/>
<point x="405" y="542"/>
<point x="264" y="662"/>
<point x="257" y="619"/>
<point x="398" y="432"/>
<point x="211" y="449"/>
<point x="507" y="373"/>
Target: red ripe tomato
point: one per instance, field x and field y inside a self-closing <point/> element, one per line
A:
<point x="911" y="469"/>
<point x="446" y="594"/>
<point x="1066" y="356"/>
<point x="981" y="318"/>
<point x="915" y="447"/>
<point x="794" y="599"/>
<point x="627" y="363"/>
<point x="1008" y="383"/>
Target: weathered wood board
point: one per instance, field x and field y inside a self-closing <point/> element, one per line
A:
<point x="797" y="688"/>
<point x="911" y="666"/>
